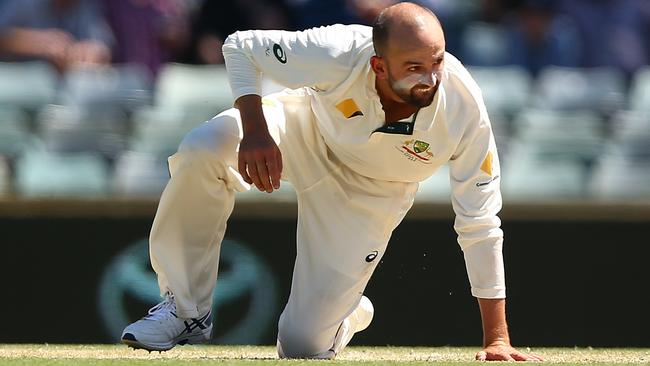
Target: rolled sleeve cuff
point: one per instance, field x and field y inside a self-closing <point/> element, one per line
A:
<point x="240" y="92"/>
<point x="489" y="293"/>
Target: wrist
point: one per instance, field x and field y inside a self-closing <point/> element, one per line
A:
<point x="252" y="116"/>
<point x="500" y="341"/>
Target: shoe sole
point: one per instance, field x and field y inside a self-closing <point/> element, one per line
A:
<point x="196" y="339"/>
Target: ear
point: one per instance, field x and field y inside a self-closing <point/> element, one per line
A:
<point x="379" y="67"/>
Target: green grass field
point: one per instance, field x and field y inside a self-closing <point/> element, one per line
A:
<point x="58" y="355"/>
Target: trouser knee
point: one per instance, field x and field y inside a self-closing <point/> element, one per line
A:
<point x="207" y="150"/>
<point x="301" y="342"/>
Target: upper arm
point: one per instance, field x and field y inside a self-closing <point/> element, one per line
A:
<point x="318" y="57"/>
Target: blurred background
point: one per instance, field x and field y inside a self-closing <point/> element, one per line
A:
<point x="95" y="94"/>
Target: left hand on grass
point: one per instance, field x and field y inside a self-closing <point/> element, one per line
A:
<point x="504" y="352"/>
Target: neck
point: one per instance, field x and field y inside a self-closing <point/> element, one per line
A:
<point x="395" y="109"/>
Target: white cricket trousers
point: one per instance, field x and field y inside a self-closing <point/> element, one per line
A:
<point x="344" y="223"/>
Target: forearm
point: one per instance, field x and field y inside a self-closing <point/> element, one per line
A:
<point x="21" y="42"/>
<point x="250" y="108"/>
<point x="495" y="327"/>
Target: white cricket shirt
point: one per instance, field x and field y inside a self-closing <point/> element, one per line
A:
<point x="333" y="65"/>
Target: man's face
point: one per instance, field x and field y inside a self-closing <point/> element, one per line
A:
<point x="415" y="85"/>
<point x="414" y="67"/>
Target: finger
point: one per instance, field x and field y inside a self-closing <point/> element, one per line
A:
<point x="254" y="174"/>
<point x="481" y="356"/>
<point x="275" y="170"/>
<point x="518" y="356"/>
<point x="536" y="357"/>
<point x="264" y="178"/>
<point x="498" y="357"/>
<point x="242" y="170"/>
<point x="280" y="164"/>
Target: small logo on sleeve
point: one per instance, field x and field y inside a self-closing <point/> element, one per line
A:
<point x="487" y="168"/>
<point x="371" y="257"/>
<point x="487" y="164"/>
<point x="278" y="52"/>
<point x="349" y="108"/>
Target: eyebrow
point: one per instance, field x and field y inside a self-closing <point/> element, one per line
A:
<point x="411" y="62"/>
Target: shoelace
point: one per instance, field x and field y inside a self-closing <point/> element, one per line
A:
<point x="163" y="309"/>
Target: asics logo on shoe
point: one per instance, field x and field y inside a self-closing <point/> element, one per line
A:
<point x="371" y="257"/>
<point x="200" y="323"/>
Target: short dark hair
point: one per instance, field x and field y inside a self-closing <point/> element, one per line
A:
<point x="380" y="33"/>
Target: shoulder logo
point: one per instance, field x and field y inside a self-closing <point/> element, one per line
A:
<point x="349" y="108"/>
<point x="487" y="164"/>
<point x="278" y="52"/>
<point x="487" y="168"/>
<point x="371" y="257"/>
<point x="416" y="150"/>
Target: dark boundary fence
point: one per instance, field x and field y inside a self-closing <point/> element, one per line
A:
<point x="577" y="274"/>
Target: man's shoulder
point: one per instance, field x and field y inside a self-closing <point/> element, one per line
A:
<point x="357" y="29"/>
<point x="353" y="36"/>
<point x="461" y="82"/>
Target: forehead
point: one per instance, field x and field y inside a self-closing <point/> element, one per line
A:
<point x="424" y="41"/>
<point x="415" y="51"/>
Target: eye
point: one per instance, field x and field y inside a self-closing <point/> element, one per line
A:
<point x="413" y="68"/>
<point x="439" y="60"/>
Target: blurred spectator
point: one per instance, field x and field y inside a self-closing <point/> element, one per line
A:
<point x="453" y="15"/>
<point x="215" y="20"/>
<point x="148" y="32"/>
<point x="614" y="32"/>
<point x="538" y="36"/>
<point x="63" y="32"/>
<point x="367" y="10"/>
<point x="315" y="13"/>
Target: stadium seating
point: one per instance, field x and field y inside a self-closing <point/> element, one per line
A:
<point x="563" y="88"/>
<point x="528" y="177"/>
<point x="41" y="173"/>
<point x="559" y="135"/>
<point x="107" y="87"/>
<point x="14" y="132"/>
<point x="27" y="85"/>
<point x="484" y="44"/>
<point x="185" y="87"/>
<point x="158" y="131"/>
<point x="139" y="174"/>
<point x="437" y="188"/>
<point x="640" y="90"/>
<point x="73" y="129"/>
<point x="506" y="89"/>
<point x="621" y="175"/>
<point x="5" y="176"/>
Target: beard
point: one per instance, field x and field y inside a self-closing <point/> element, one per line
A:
<point x="419" y="96"/>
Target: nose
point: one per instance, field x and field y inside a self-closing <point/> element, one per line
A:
<point x="433" y="78"/>
<point x="429" y="79"/>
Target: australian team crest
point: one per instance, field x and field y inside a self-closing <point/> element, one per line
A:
<point x="416" y="150"/>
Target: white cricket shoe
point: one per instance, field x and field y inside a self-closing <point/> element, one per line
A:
<point x="363" y="313"/>
<point x="161" y="329"/>
<point x="357" y="321"/>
